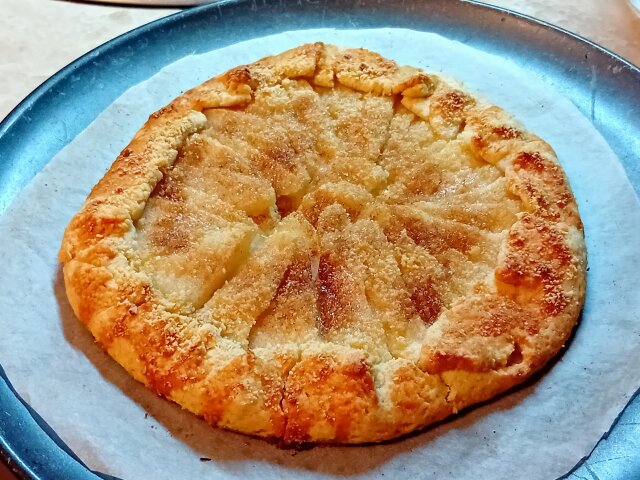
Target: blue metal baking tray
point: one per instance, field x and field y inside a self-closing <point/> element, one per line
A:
<point x="66" y="103"/>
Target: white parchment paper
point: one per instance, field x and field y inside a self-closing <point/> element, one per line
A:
<point x="537" y="432"/>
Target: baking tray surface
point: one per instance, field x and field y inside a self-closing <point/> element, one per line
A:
<point x="603" y="86"/>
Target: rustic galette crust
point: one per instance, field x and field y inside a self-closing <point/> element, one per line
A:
<point x="324" y="246"/>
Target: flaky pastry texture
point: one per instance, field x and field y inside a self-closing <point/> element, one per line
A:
<point x="324" y="246"/>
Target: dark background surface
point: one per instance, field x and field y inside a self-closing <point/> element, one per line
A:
<point x="28" y="142"/>
<point x="5" y="474"/>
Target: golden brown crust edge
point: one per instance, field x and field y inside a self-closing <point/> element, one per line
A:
<point x="329" y="396"/>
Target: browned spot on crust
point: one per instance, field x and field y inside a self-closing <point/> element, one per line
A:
<point x="93" y="281"/>
<point x="355" y="132"/>
<point x="499" y="319"/>
<point x="280" y="155"/>
<point x="163" y="111"/>
<point x="228" y="385"/>
<point x="554" y="243"/>
<point x="239" y="76"/>
<point x="278" y="163"/>
<point x="220" y="397"/>
<point x="119" y="330"/>
<point x="530" y="161"/>
<point x="285" y="205"/>
<point x="168" y="188"/>
<point x="493" y="136"/>
<point x="351" y="200"/>
<point x="427" y="301"/>
<point x="304" y="148"/>
<point x="89" y="227"/>
<point x="236" y="383"/>
<point x="135" y="299"/>
<point x="489" y="316"/>
<point x="343" y="393"/>
<point x="185" y="368"/>
<point x="502" y="317"/>
<point x="537" y="256"/>
<point x="171" y="233"/>
<point x="506" y="133"/>
<point x="436" y="238"/>
<point x="544" y="185"/>
<point x="313" y="214"/>
<point x="332" y="297"/>
<point x="442" y="362"/>
<point x="407" y="393"/>
<point x="263" y="220"/>
<point x="516" y="356"/>
<point x="479" y="143"/>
